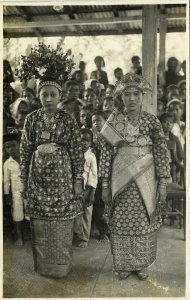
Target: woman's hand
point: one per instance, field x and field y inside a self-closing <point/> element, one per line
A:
<point x="78" y="189"/>
<point x="161" y="197"/>
<point x="106" y="195"/>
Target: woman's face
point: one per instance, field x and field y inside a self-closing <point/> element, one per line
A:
<point x="132" y="99"/>
<point x="50" y="97"/>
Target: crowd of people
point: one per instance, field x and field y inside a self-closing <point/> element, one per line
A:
<point x="44" y="181"/>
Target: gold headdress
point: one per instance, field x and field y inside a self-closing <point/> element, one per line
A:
<point x="132" y="80"/>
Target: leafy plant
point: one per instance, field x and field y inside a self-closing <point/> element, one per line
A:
<point x="45" y="62"/>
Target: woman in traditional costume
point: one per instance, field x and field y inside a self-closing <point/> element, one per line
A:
<point x="52" y="161"/>
<point x="134" y="169"/>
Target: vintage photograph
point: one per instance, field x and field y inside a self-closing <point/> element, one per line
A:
<point x="94" y="149"/>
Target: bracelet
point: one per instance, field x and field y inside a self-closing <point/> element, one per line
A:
<point x="162" y="184"/>
<point x="78" y="181"/>
<point x="105" y="184"/>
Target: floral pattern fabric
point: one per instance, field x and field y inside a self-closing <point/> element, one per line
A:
<point x="133" y="236"/>
<point x="50" y="176"/>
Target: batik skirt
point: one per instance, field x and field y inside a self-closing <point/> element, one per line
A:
<point x="133" y="237"/>
<point x="52" y="246"/>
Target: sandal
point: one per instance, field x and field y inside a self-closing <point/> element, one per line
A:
<point x="142" y="275"/>
<point x="124" y="275"/>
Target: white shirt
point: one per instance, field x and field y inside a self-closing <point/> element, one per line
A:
<point x="90" y="169"/>
<point x="176" y="130"/>
<point x="11" y="178"/>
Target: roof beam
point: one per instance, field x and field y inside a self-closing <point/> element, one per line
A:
<point x="81" y="22"/>
<point x="85" y="33"/>
<point x="21" y="10"/>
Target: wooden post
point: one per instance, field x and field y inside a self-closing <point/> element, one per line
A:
<point x="149" y="55"/>
<point x="162" y="48"/>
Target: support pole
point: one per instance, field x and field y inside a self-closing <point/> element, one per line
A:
<point x="149" y="55"/>
<point x="162" y="49"/>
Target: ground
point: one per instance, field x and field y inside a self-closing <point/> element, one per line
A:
<point x="92" y="274"/>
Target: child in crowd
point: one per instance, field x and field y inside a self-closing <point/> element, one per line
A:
<point x="176" y="154"/>
<point x="175" y="107"/>
<point x="172" y="92"/>
<point x="118" y="73"/>
<point x="160" y="108"/>
<point x="12" y="185"/>
<point x="85" y="119"/>
<point x="110" y="90"/>
<point x="90" y="99"/>
<point x="82" y="225"/>
<point x="98" y="217"/>
<point x="108" y="106"/>
<point x="19" y="110"/>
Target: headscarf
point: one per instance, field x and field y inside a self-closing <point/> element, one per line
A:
<point x="15" y="106"/>
<point x="132" y="80"/>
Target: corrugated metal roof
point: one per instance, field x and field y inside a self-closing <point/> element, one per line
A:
<point x="71" y="14"/>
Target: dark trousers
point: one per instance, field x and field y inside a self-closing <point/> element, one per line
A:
<point x="98" y="212"/>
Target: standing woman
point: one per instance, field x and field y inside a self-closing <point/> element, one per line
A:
<point x="51" y="170"/>
<point x="134" y="169"/>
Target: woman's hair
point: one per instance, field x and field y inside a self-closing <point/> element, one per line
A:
<point x="100" y="58"/>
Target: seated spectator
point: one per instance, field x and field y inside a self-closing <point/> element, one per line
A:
<point x="175" y="107"/>
<point x="136" y="65"/>
<point x="108" y="106"/>
<point x="176" y="153"/>
<point x="99" y="74"/>
<point x="171" y="75"/>
<point x="118" y="73"/>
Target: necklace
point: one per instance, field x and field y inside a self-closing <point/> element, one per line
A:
<point x="132" y="124"/>
<point x="50" y="123"/>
